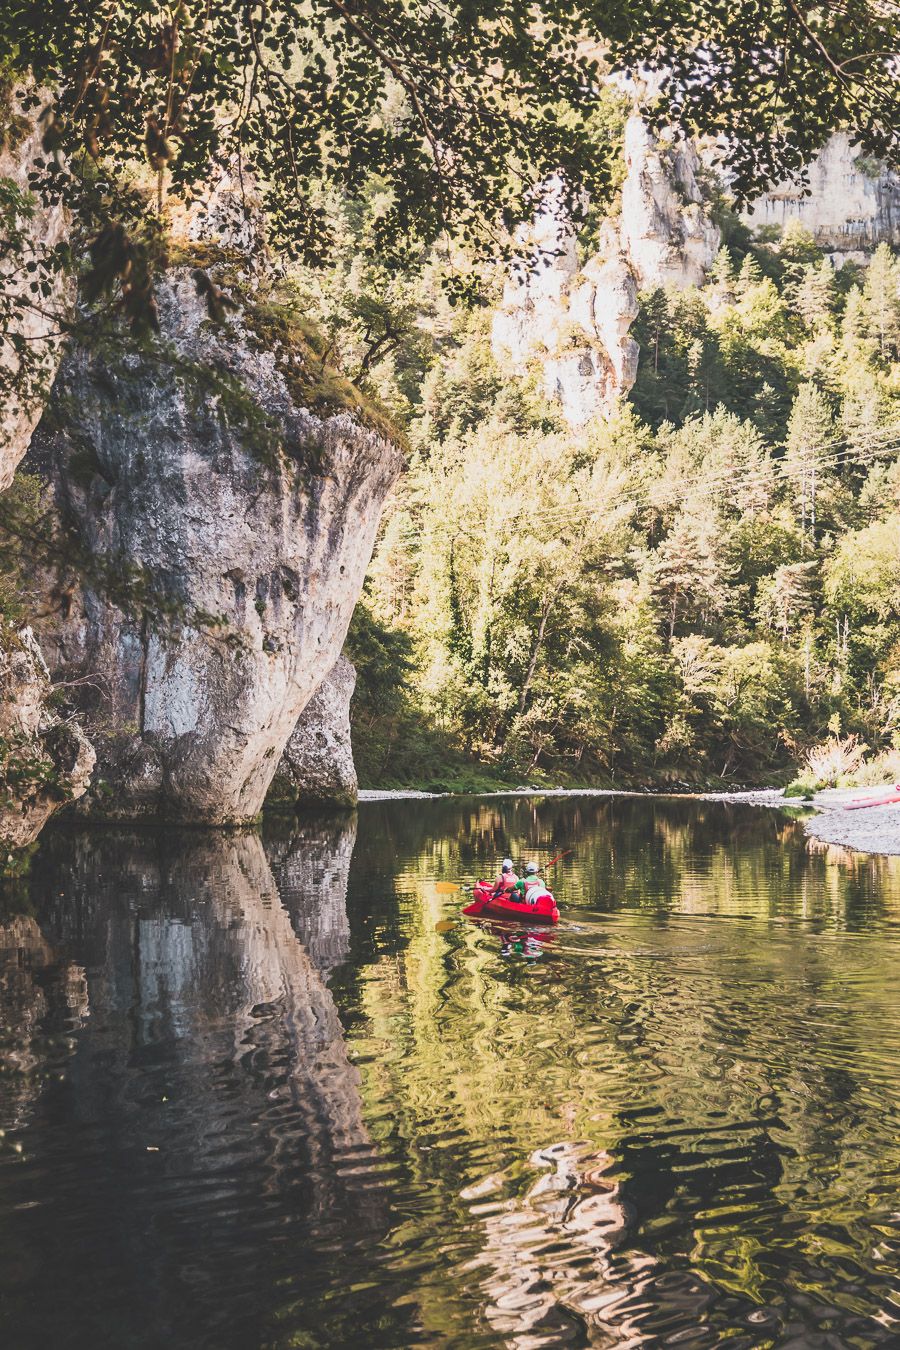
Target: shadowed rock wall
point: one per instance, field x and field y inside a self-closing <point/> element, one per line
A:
<point x="317" y="765"/>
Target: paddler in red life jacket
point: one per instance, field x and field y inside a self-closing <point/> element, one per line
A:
<point x="531" y="887"/>
<point x="506" y="880"/>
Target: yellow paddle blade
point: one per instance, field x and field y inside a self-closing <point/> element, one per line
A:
<point x="446" y="887"/>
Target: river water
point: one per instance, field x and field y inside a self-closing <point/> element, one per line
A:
<point x="272" y="1090"/>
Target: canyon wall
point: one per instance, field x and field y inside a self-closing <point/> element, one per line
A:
<point x="317" y="765"/>
<point x="572" y="322"/>
<point x="45" y="759"/>
<point x="852" y="206"/>
<point x="219" y="491"/>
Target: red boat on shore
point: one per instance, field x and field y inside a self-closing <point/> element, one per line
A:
<point x="485" y="905"/>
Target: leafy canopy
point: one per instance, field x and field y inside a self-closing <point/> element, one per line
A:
<point x="461" y="106"/>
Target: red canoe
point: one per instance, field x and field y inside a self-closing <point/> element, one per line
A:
<point x="484" y="905"/>
<point x="874" y="801"/>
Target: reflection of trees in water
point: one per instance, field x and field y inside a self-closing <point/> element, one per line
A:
<point x="652" y="853"/>
<point x="739" y="1076"/>
<point x="213" y="1103"/>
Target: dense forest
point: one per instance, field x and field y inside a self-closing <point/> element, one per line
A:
<point x="697" y="589"/>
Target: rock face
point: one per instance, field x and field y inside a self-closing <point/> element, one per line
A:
<point x="666" y="231"/>
<point x="239" y="523"/>
<point x="853" y="204"/>
<point x="317" y="765"/>
<point x="573" y="322"/>
<point x="34" y="230"/>
<point x="44" y="761"/>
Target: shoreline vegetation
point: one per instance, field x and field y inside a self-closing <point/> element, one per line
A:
<point x="875" y="830"/>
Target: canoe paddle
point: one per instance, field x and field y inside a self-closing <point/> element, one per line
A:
<point x="564" y="854"/>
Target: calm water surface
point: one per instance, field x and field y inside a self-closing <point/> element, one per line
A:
<point x="272" y="1091"/>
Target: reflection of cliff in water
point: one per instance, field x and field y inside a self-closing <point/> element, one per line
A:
<point x="212" y="1074"/>
<point x="310" y="860"/>
<point x="548" y="1268"/>
<point x="43" y="1001"/>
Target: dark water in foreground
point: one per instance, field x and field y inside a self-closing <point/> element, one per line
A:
<point x="274" y="1092"/>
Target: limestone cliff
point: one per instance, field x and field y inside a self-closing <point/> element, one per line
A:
<point x="29" y="320"/>
<point x="220" y="491"/>
<point x="45" y="760"/>
<point x="572" y="322"/>
<point x="666" y="231"/>
<point x="317" y="765"/>
<point x="853" y="203"/>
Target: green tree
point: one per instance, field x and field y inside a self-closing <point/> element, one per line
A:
<point x="881" y="300"/>
<point x="810" y="436"/>
<point x="815" y="295"/>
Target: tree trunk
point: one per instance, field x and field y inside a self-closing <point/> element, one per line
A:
<point x="536" y="647"/>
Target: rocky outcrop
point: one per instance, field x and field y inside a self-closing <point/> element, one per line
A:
<point x="665" y="231"/>
<point x="45" y="761"/>
<point x="852" y="206"/>
<point x="219" y="491"/>
<point x="317" y="765"/>
<point x="573" y="323"/>
<point x="31" y="230"/>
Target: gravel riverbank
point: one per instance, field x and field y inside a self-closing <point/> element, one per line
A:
<point x="874" y="830"/>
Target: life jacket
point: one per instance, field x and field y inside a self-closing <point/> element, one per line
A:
<point x="534" y="889"/>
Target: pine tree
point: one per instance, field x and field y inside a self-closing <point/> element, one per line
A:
<point x="881" y="296"/>
<point x="722" y="277"/>
<point x="815" y="295"/>
<point x="749" y="276"/>
<point x="810" y="431"/>
<point x="856" y="339"/>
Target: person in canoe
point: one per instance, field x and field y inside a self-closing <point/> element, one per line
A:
<point x="530" y="888"/>
<point x="506" y="880"/>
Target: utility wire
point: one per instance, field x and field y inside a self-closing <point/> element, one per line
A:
<point x="767" y="475"/>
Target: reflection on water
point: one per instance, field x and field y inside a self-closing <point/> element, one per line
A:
<point x="273" y="1091"/>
